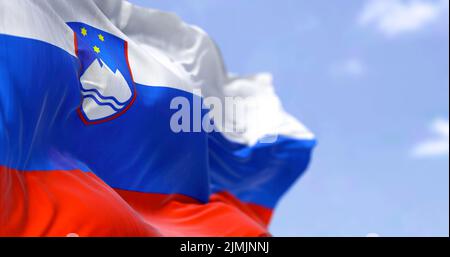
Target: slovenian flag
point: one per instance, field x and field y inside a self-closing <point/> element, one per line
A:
<point x="116" y="120"/>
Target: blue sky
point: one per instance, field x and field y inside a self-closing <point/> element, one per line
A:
<point x="370" y="79"/>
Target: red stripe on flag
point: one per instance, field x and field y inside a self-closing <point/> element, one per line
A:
<point x="259" y="213"/>
<point x="59" y="203"/>
<point x="176" y="215"/>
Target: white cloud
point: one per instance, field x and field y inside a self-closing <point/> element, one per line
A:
<point x="352" y="67"/>
<point x="438" y="145"/>
<point x="393" y="17"/>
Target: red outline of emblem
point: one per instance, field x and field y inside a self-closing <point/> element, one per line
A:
<point x="79" y="111"/>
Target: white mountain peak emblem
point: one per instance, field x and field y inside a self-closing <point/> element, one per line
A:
<point x="105" y="92"/>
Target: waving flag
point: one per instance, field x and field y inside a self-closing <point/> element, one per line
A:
<point x="89" y="91"/>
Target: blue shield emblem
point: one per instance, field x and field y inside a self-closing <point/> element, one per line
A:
<point x="106" y="82"/>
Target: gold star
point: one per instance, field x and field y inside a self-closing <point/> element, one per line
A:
<point x="96" y="49"/>
<point x="83" y="31"/>
<point x="100" y="36"/>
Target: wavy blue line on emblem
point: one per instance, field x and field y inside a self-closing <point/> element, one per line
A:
<point x="100" y="103"/>
<point x="93" y="94"/>
<point x="104" y="97"/>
